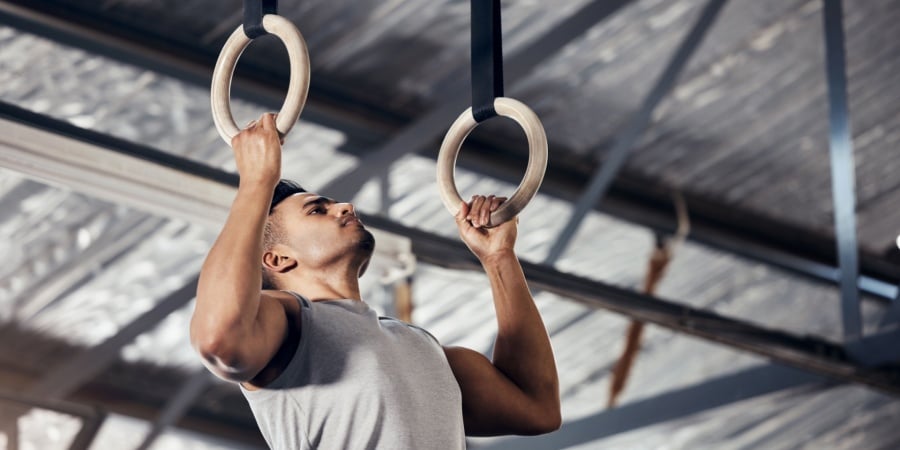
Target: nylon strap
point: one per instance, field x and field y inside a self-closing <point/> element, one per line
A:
<point x="487" y="58"/>
<point x="254" y="10"/>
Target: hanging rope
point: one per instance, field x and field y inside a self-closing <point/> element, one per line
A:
<point x="660" y="257"/>
<point x="488" y="101"/>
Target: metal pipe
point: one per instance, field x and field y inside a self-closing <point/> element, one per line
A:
<point x="843" y="170"/>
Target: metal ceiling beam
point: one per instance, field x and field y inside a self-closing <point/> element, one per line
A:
<point x="672" y="405"/>
<point x="637" y="124"/>
<point x="89" y="168"/>
<point x="843" y="169"/>
<point x="876" y="349"/>
<point x="31" y="144"/>
<point x="88" y="432"/>
<point x="11" y="395"/>
<point x="632" y="197"/>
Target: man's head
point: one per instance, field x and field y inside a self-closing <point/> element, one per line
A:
<point x="308" y="232"/>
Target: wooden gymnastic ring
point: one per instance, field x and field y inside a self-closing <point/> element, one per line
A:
<point x="298" y="87"/>
<point x="534" y="174"/>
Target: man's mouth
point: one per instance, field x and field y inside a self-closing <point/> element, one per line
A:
<point x="351" y="219"/>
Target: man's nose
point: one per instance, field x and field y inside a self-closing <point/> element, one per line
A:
<point x="346" y="208"/>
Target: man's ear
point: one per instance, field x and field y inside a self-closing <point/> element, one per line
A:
<point x="277" y="261"/>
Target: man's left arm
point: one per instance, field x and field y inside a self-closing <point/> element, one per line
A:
<point x="517" y="392"/>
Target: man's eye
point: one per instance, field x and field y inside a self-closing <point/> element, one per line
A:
<point x="317" y="210"/>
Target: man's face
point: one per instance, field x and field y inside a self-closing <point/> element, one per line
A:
<point x="318" y="232"/>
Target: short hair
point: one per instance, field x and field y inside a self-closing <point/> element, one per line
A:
<point x="272" y="233"/>
<point x="283" y="190"/>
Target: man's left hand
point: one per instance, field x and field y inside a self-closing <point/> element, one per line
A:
<point x="484" y="242"/>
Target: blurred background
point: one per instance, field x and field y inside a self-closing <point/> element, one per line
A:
<point x="720" y="105"/>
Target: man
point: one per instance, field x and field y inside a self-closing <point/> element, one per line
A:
<point x="318" y="367"/>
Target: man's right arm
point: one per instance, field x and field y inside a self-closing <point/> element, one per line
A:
<point x="236" y="328"/>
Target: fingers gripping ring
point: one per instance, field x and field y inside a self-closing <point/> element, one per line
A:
<point x="534" y="174"/>
<point x="298" y="87"/>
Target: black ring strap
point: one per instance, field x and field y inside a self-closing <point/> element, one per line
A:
<point x="254" y="10"/>
<point x="487" y="58"/>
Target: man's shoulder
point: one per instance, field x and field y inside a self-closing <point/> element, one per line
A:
<point x="409" y="325"/>
<point x="277" y="294"/>
<point x="287" y="300"/>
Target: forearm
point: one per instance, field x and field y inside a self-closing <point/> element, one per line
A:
<point x="522" y="350"/>
<point x="229" y="288"/>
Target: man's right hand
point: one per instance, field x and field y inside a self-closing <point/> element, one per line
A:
<point x="257" y="152"/>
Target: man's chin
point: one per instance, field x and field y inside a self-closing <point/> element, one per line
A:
<point x="366" y="241"/>
<point x="367" y="246"/>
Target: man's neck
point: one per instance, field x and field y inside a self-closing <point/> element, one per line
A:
<point x="324" y="285"/>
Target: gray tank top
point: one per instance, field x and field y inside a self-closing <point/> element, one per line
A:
<point x="358" y="381"/>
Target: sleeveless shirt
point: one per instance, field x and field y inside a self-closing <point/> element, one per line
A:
<point x="359" y="381"/>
